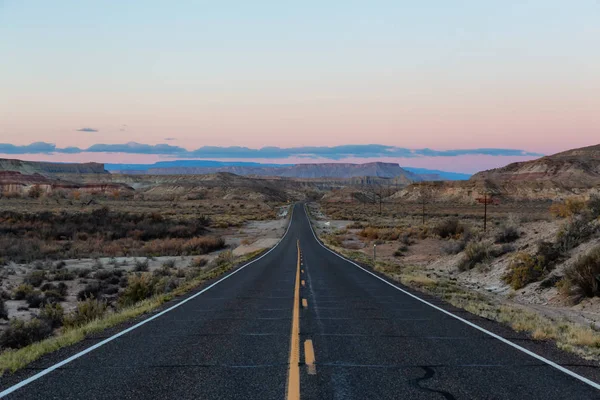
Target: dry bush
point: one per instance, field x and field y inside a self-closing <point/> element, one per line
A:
<point x="140" y="287"/>
<point x="20" y="333"/>
<point x="475" y="253"/>
<point x="86" y="311"/>
<point x="575" y="232"/>
<point x="21" y="291"/>
<point x="449" y="228"/>
<point x="198" y="262"/>
<point x="522" y="270"/>
<point x="593" y="206"/>
<point x="3" y="310"/>
<point x="35" y="192"/>
<point x="224" y="257"/>
<point x="25" y="237"/>
<point x="453" y="246"/>
<point x="53" y="315"/>
<point x="373" y="233"/>
<point x="568" y="208"/>
<point x="508" y="233"/>
<point x="35" y="278"/>
<point x="141" y="265"/>
<point x="582" y="279"/>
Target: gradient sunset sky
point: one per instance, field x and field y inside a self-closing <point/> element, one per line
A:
<point x="413" y="74"/>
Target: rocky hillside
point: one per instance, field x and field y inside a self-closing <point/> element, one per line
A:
<point x="570" y="173"/>
<point x="573" y="169"/>
<point x="50" y="169"/>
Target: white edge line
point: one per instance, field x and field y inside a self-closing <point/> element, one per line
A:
<point x="40" y="374"/>
<point x="500" y="338"/>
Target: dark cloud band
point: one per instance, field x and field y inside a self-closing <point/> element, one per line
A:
<point x="332" y="153"/>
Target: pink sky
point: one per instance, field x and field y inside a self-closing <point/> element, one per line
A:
<point x="406" y="74"/>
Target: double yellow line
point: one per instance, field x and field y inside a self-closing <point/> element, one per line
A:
<point x="293" y="385"/>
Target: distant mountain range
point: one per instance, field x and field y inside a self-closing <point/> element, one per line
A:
<point x="307" y="171"/>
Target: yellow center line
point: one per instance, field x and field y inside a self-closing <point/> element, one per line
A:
<point x="303" y="283"/>
<point x="309" y="357"/>
<point x="304" y="303"/>
<point x="293" y="384"/>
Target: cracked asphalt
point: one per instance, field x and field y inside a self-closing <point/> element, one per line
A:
<point x="371" y="341"/>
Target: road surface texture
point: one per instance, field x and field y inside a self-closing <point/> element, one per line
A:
<point x="301" y="322"/>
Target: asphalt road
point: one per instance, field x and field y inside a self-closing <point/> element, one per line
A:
<point x="360" y="338"/>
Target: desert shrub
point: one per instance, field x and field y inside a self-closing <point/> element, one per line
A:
<point x="170" y="263"/>
<point x="582" y="278"/>
<point x="53" y="296"/>
<point x="53" y="315"/>
<point x="475" y="253"/>
<point x="165" y="285"/>
<point x="400" y="251"/>
<point x="355" y="225"/>
<point x="522" y="270"/>
<point x="35" y="278"/>
<point x="548" y="254"/>
<point x="35" y="191"/>
<point x="60" y="265"/>
<point x="162" y="271"/>
<point x="199" y="262"/>
<point x="63" y="275"/>
<point x="449" y="228"/>
<point x="453" y="246"/>
<point x="110" y="290"/>
<point x="91" y="290"/>
<point x="35" y="299"/>
<point x="141" y="266"/>
<point x="593" y="206"/>
<point x="109" y="277"/>
<point x="20" y="333"/>
<point x="508" y="233"/>
<point x="568" y="208"/>
<point x="22" y="291"/>
<point x="139" y="287"/>
<point x="369" y="232"/>
<point x="87" y="310"/>
<point x="83" y="273"/>
<point x="3" y="310"/>
<point x="224" y="257"/>
<point x="575" y="232"/>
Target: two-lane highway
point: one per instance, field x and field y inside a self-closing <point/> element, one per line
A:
<point x="301" y="322"/>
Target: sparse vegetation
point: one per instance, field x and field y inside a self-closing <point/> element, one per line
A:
<point x="475" y="253"/>
<point x="568" y="208"/>
<point x="582" y="279"/>
<point x="53" y="315"/>
<point x="20" y="333"/>
<point x="508" y="232"/>
<point x="449" y="228"/>
<point x="87" y="311"/>
<point x="522" y="270"/>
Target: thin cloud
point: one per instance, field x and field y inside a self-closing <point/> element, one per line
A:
<point x="170" y="139"/>
<point x="87" y="130"/>
<point x="238" y="152"/>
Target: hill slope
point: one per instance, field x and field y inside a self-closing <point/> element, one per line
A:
<point x="578" y="168"/>
<point x="48" y="168"/>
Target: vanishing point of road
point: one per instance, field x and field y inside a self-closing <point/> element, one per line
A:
<point x="302" y="322"/>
